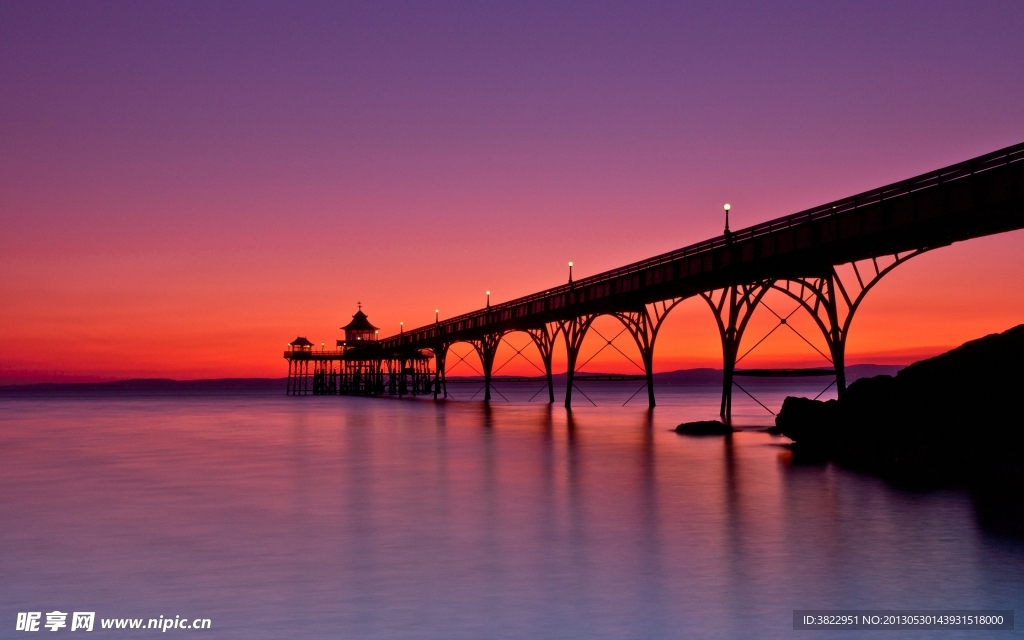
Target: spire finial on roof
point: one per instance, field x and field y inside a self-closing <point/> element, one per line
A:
<point x="360" y="305"/>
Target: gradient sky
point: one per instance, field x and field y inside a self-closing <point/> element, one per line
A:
<point x="184" y="187"/>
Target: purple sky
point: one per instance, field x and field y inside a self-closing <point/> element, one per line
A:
<point x="178" y="172"/>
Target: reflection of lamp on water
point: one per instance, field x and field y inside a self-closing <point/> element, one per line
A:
<point x="570" y="273"/>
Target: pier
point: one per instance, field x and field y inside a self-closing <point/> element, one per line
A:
<point x="798" y="255"/>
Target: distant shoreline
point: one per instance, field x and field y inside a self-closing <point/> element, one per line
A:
<point x="146" y="386"/>
<point x="216" y="386"/>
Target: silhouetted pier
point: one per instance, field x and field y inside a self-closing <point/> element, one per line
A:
<point x="872" y="232"/>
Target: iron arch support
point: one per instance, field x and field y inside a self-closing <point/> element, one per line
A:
<point x="440" y="382"/>
<point x="732" y="310"/>
<point x="644" y="325"/>
<point x="487" y="347"/>
<point x="832" y="303"/>
<point x="573" y="330"/>
<point x="447" y="350"/>
<point x="544" y="339"/>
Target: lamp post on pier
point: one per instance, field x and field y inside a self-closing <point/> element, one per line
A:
<point x="570" y="273"/>
<point x="488" y="299"/>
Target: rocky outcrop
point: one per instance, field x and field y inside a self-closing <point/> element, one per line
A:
<point x="704" y="428"/>
<point x="953" y="420"/>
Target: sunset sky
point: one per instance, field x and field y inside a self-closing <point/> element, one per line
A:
<point x="185" y="187"/>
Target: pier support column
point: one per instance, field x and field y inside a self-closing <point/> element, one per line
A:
<point x="378" y="382"/>
<point x="299" y="383"/>
<point x="440" y="385"/>
<point x="835" y="336"/>
<point x="644" y="325"/>
<point x="402" y="383"/>
<point x="544" y="339"/>
<point x="832" y="300"/>
<point x="574" y="331"/>
<point x="487" y="348"/>
<point x="733" y="308"/>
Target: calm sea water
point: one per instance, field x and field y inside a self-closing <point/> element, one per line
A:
<point x="313" y="517"/>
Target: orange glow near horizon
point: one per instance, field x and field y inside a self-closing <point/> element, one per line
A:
<point x="115" y="319"/>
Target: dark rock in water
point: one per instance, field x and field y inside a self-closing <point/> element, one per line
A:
<point x="704" y="428"/>
<point x="802" y="419"/>
<point x="952" y="420"/>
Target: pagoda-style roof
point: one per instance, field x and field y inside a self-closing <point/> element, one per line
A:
<point x="359" y="323"/>
<point x="301" y="342"/>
